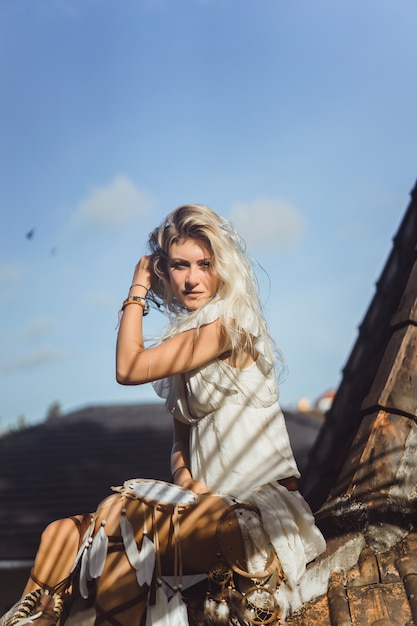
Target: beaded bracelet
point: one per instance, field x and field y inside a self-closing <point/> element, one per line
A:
<point x="137" y="300"/>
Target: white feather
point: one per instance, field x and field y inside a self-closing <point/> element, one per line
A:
<point x="144" y="561"/>
<point x="28" y="620"/>
<point x="129" y="542"/>
<point x="210" y="607"/>
<point x="86" y="540"/>
<point x="178" y="615"/>
<point x="223" y="612"/>
<point x="98" y="553"/>
<point x="157" y="614"/>
<point x="147" y="556"/>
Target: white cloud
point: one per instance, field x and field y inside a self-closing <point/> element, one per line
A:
<point x="32" y="360"/>
<point x="10" y="273"/>
<point x="38" y="327"/>
<point x="268" y="222"/>
<point x="111" y="206"/>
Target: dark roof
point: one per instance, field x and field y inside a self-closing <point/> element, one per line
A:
<point x="67" y="464"/>
<point x="386" y="315"/>
<point x="366" y="454"/>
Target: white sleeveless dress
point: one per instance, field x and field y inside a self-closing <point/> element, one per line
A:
<point x="239" y="446"/>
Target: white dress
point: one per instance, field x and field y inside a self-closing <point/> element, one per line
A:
<point x="239" y="446"/>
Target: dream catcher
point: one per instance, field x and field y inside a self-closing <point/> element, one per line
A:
<point x="243" y="592"/>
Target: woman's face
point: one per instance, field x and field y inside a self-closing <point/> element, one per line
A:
<point x="189" y="269"/>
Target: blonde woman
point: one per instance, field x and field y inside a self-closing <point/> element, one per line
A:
<point x="214" y="366"/>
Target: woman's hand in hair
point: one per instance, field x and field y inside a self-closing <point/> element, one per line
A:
<point x="143" y="273"/>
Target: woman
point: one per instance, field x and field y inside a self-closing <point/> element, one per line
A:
<point x="214" y="366"/>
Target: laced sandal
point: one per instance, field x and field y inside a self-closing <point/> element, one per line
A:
<point x="37" y="607"/>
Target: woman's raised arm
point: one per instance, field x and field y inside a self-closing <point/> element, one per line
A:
<point x="136" y="365"/>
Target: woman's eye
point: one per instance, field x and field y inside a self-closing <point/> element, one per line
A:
<point x="205" y="265"/>
<point x="176" y="265"/>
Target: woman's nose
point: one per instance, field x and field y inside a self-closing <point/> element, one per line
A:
<point x="191" y="277"/>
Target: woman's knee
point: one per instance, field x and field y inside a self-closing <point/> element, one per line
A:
<point x="60" y="531"/>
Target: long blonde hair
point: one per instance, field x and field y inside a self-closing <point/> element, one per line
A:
<point x="238" y="287"/>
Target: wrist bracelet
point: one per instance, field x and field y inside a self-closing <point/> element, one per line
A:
<point x="138" y="285"/>
<point x="178" y="470"/>
<point x="137" y="300"/>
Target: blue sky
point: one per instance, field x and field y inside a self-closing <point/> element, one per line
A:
<point x="295" y="119"/>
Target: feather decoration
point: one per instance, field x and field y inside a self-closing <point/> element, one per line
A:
<point x="129" y="541"/>
<point x="157" y="614"/>
<point x="223" y="612"/>
<point x="178" y="615"/>
<point x="98" y="552"/>
<point x="28" y="620"/>
<point x="84" y="575"/>
<point x="210" y="607"/>
<point x="147" y="558"/>
<point x="144" y="561"/>
<point x="85" y="542"/>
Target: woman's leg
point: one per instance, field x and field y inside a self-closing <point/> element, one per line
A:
<point x="56" y="553"/>
<point x="51" y="573"/>
<point x="119" y="599"/>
